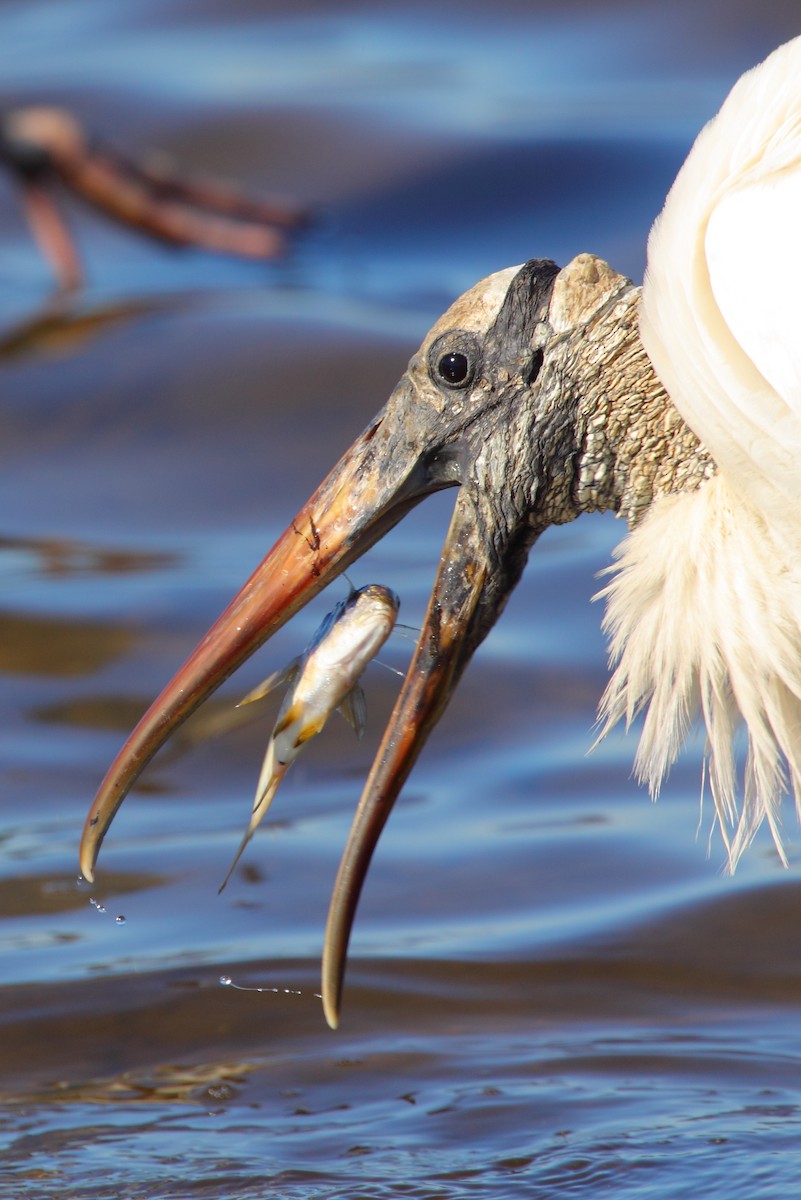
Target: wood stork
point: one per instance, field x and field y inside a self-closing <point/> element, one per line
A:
<point x="545" y="393"/>
<point x="41" y="145"/>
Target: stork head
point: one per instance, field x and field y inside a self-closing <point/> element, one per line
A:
<point x="498" y="403"/>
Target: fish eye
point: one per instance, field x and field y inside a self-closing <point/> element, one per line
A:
<point x="453" y="359"/>
<point x="454" y="368"/>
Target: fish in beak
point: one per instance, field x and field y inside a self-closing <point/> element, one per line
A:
<point x="324" y="678"/>
<point x="469" y="413"/>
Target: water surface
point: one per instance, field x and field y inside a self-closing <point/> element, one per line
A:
<point x="553" y="988"/>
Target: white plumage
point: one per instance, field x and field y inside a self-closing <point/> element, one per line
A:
<point x="705" y="607"/>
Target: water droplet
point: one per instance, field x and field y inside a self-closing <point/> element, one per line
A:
<point x="227" y="981"/>
<point x="120" y="920"/>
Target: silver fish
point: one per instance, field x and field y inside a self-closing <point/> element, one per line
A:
<point x="325" y="677"/>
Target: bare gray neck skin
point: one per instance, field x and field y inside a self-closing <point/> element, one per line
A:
<point x="632" y="444"/>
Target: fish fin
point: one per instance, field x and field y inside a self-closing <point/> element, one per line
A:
<point x="287" y="675"/>
<point x="308" y="732"/>
<point x="293" y="713"/>
<point x="354" y="709"/>
<point x="308" y="729"/>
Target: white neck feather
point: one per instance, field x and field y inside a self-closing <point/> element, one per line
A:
<point x="704" y="615"/>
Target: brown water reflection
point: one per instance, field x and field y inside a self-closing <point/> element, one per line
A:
<point x="65" y="327"/>
<point x="553" y="991"/>
<point x="61" y="557"/>
<point x="43" y="646"/>
<point x="37" y="895"/>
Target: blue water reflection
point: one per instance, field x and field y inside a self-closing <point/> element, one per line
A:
<point x="552" y="987"/>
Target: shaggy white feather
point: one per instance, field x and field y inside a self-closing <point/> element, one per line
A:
<point x="705" y="608"/>
<point x="704" y="616"/>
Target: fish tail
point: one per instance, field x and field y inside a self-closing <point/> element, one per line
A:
<point x="271" y="774"/>
<point x="264" y="798"/>
<point x="237" y="857"/>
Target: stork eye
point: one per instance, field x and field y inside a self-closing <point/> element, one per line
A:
<point x="454" y="368"/>
<point x="453" y="359"/>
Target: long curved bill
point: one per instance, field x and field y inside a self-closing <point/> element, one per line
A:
<point x="452" y="628"/>
<point x="356" y="505"/>
<point x="362" y="498"/>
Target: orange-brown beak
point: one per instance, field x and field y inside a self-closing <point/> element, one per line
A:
<point x="436" y="431"/>
<point x="354" y="507"/>
<point x="351" y="509"/>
